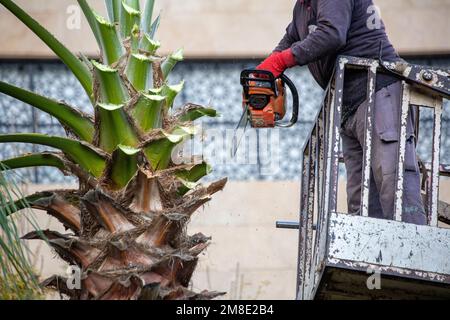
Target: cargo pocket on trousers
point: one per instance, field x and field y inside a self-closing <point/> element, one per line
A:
<point x="386" y="115"/>
<point x="390" y="149"/>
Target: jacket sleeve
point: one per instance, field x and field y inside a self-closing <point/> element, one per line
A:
<point x="333" y="22"/>
<point x="289" y="38"/>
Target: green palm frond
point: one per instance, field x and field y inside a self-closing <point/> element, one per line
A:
<point x="73" y="63"/>
<point x="69" y="117"/>
<point x="17" y="278"/>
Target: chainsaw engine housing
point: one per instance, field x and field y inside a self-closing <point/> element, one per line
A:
<point x="264" y="98"/>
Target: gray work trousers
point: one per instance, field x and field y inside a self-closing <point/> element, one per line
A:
<point x="385" y="144"/>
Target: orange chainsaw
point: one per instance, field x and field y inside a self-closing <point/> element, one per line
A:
<point x="264" y="101"/>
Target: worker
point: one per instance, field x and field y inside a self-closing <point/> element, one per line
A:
<point x="320" y="31"/>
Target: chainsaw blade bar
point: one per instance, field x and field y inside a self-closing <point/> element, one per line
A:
<point x="239" y="132"/>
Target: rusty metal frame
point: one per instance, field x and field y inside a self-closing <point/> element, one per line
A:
<point x="320" y="170"/>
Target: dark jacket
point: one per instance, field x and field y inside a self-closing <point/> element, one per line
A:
<point x="323" y="29"/>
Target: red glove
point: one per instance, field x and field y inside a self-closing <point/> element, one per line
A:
<point x="278" y="62"/>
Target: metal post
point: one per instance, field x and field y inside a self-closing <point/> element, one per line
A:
<point x="406" y="95"/>
<point x="319" y="174"/>
<point x="333" y="156"/>
<point x="321" y="123"/>
<point x="310" y="211"/>
<point x="303" y="221"/>
<point x="287" y="225"/>
<point x="323" y="128"/>
<point x="367" y="157"/>
<point x="328" y="116"/>
<point x="433" y="205"/>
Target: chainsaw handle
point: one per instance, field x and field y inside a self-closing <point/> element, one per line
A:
<point x="252" y="75"/>
<point x="295" y="102"/>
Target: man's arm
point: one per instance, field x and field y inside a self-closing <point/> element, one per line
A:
<point x="289" y="38"/>
<point x="282" y="57"/>
<point x="333" y="22"/>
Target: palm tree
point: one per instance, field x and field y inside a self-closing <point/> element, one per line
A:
<point x="128" y="217"/>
